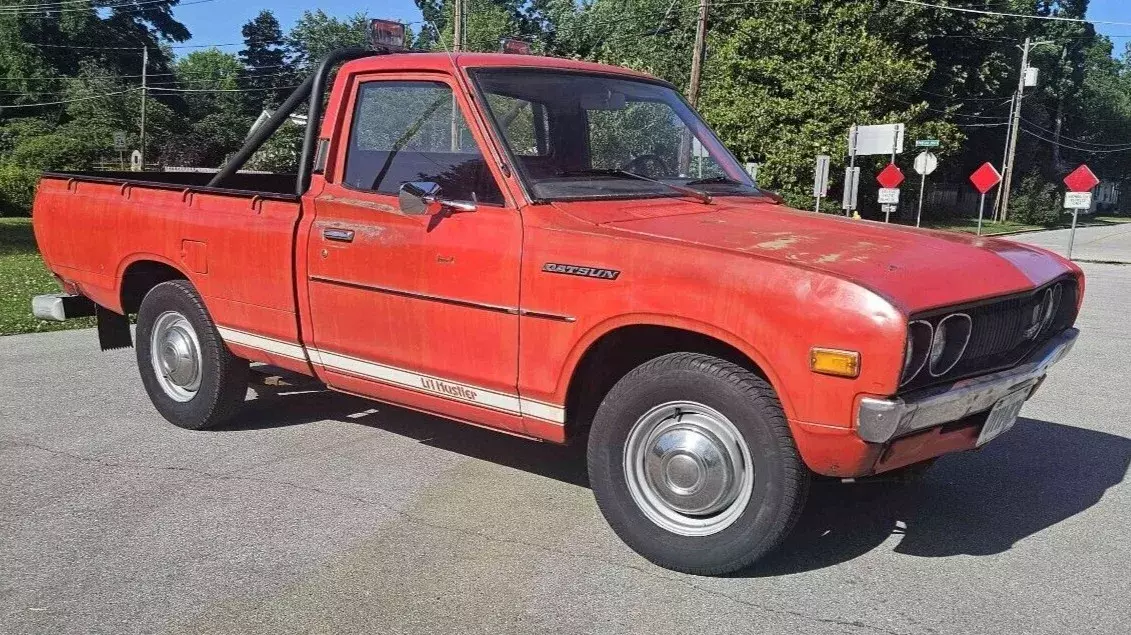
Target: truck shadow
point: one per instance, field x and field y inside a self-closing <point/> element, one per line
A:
<point x="975" y="503"/>
<point x="280" y="407"/>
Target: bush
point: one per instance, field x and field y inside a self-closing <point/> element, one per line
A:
<point x="1037" y="202"/>
<point x="54" y="152"/>
<point x="17" y="189"/>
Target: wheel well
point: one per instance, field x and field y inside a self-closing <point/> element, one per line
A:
<point x="619" y="351"/>
<point x="140" y="277"/>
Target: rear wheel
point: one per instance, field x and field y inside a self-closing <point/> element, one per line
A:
<point x="693" y="465"/>
<point x="192" y="378"/>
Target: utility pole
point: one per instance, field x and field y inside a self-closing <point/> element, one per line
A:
<point x="144" y="95"/>
<point x="686" y="145"/>
<point x="1015" y="120"/>
<point x="457" y="46"/>
<point x="1004" y="157"/>
<point x="697" y="56"/>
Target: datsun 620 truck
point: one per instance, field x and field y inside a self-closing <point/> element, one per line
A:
<point x="532" y="245"/>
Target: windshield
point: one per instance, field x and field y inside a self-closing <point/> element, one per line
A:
<point x="584" y="136"/>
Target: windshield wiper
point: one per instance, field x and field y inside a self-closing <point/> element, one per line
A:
<point x="698" y="195"/>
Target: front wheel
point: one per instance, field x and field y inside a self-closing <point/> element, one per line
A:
<point x="192" y="378"/>
<point x="692" y="463"/>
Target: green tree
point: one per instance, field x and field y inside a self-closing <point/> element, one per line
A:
<point x="268" y="69"/>
<point x="317" y="34"/>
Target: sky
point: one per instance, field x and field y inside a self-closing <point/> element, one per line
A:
<point x="220" y="22"/>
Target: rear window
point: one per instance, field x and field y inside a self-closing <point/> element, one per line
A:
<point x="405" y="131"/>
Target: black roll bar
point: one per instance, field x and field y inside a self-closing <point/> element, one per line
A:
<point x="311" y="89"/>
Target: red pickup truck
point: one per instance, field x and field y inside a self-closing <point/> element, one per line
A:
<point x="565" y="251"/>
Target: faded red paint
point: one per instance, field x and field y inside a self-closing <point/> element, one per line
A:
<point x="772" y="282"/>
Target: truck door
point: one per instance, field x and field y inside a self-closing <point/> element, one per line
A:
<point x="415" y="309"/>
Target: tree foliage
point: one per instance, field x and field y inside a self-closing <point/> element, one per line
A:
<point x="782" y="81"/>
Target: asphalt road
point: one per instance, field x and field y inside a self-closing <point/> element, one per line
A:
<point x="325" y="513"/>
<point x="1096" y="244"/>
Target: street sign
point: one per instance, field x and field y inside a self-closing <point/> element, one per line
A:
<point x="821" y="176"/>
<point x="926" y="163"/>
<point x="851" y="189"/>
<point x="985" y="178"/>
<point x="1081" y="180"/>
<point x="120" y="141"/>
<point x="1077" y="200"/>
<point x="869" y="140"/>
<point x="889" y="196"/>
<point x="927" y="143"/>
<point x="890" y="177"/>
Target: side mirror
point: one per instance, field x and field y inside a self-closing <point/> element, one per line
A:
<point x="422" y="198"/>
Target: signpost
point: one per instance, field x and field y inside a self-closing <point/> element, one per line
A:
<point x="1079" y="196"/>
<point x="889" y="178"/>
<point x="925" y="164"/>
<point x="752" y="170"/>
<point x="851" y="190"/>
<point x="984" y="179"/>
<point x="821" y="179"/>
<point x="120" y="144"/>
<point x="872" y="140"/>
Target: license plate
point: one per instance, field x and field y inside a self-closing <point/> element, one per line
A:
<point x="1003" y="416"/>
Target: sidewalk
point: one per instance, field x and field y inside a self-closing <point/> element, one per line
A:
<point x="1093" y="244"/>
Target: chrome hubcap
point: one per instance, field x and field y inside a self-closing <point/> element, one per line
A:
<point x="175" y="352"/>
<point x="688" y="468"/>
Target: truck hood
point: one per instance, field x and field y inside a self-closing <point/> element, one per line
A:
<point x="913" y="269"/>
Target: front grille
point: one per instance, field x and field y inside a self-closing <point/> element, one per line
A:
<point x="997" y="339"/>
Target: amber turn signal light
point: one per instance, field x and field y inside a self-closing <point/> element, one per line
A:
<point x="830" y="361"/>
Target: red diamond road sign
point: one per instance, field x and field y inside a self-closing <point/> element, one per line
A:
<point x="1081" y="180"/>
<point x="890" y="177"/>
<point x="985" y="178"/>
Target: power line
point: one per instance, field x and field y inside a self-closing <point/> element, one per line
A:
<point x="119" y="8"/>
<point x="1078" y="141"/>
<point x="220" y="90"/>
<point x="1003" y="14"/>
<point x="1071" y="147"/>
<point x="71" y="101"/>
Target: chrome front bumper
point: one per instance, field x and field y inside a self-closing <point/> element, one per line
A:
<point x="60" y="307"/>
<point x="881" y="420"/>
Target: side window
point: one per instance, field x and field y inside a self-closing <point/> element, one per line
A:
<point x="525" y="125"/>
<point x="406" y="131"/>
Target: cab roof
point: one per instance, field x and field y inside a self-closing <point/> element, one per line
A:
<point x="442" y="62"/>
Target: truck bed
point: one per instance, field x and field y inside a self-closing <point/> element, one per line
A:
<point x="240" y="183"/>
<point x="105" y="233"/>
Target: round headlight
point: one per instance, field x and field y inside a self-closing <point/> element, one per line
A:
<point x="949" y="343"/>
<point x="1050" y="306"/>
<point x="919" y="334"/>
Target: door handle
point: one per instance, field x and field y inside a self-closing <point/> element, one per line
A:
<point x="338" y="235"/>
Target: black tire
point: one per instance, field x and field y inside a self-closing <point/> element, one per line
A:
<point x="223" y="377"/>
<point x="780" y="479"/>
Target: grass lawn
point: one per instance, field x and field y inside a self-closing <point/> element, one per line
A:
<point x="988" y="228"/>
<point x="22" y="275"/>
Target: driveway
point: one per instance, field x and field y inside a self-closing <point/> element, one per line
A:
<point x="325" y="513"/>
<point x="1111" y="243"/>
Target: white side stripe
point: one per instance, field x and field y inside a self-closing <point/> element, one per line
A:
<point x="268" y="344"/>
<point x="429" y="384"/>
